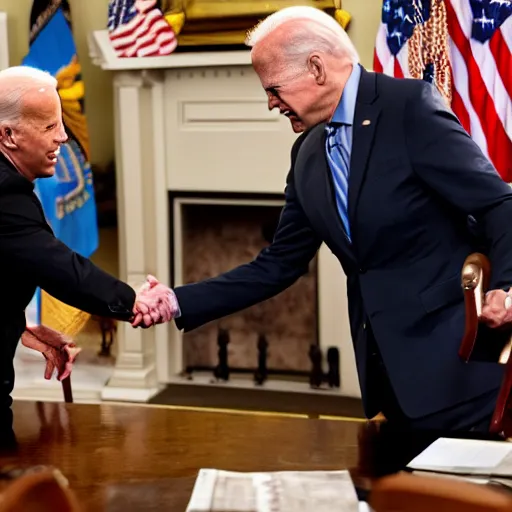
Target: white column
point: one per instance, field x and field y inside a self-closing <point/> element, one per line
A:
<point x="4" y="43"/>
<point x="333" y="321"/>
<point x="142" y="227"/>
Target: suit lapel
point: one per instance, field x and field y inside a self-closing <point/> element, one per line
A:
<point x="365" y="122"/>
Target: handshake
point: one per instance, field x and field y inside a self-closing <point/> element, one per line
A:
<point x="155" y="304"/>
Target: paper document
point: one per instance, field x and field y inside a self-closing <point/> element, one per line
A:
<point x="303" y="491"/>
<point x="466" y="456"/>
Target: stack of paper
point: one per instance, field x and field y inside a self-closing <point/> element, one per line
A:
<point x="304" y="491"/>
<point x="474" y="460"/>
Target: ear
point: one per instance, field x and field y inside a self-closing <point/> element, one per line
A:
<point x="7" y="137"/>
<point x="316" y="67"/>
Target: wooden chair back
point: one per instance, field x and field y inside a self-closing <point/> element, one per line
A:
<point x="405" y="492"/>
<point x="45" y="491"/>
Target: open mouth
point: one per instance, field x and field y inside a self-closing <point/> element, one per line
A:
<point x="53" y="156"/>
<point x="290" y="114"/>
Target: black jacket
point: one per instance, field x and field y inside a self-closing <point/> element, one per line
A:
<point x="31" y="256"/>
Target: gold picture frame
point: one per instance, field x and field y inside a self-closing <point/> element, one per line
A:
<point x="225" y="22"/>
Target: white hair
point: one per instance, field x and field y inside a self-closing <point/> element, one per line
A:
<point x="15" y="82"/>
<point x="317" y="32"/>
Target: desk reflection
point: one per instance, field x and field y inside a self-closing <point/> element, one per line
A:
<point x="134" y="457"/>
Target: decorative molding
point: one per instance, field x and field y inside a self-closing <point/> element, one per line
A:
<point x="226" y="114"/>
<point x="129" y="79"/>
<point x="234" y="113"/>
<point x="41" y="391"/>
<point x="129" y="393"/>
<point x="4" y="41"/>
<point x="211" y="74"/>
<point x="103" y="55"/>
<point x="139" y="78"/>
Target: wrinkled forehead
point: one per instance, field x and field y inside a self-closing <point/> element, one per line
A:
<point x="41" y="103"/>
<point x="269" y="64"/>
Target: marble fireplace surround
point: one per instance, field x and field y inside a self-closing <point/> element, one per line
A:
<point x="212" y="235"/>
<point x="197" y="124"/>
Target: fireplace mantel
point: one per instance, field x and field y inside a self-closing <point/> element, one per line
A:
<point x="195" y="123"/>
<point x="103" y="55"/>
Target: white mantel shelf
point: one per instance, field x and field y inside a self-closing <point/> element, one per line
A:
<point x="103" y="55"/>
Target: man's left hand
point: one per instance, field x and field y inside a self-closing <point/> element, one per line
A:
<point x="58" y="349"/>
<point x="497" y="308"/>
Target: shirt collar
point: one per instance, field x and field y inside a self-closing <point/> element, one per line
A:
<point x="344" y="113"/>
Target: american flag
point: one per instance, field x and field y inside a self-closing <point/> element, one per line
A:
<point x="139" y="29"/>
<point x="465" y="48"/>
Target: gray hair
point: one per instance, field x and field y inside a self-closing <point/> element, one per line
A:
<point x="15" y="82"/>
<point x="317" y="32"/>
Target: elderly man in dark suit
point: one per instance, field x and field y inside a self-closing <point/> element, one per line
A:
<point x="385" y="175"/>
<point x="31" y="132"/>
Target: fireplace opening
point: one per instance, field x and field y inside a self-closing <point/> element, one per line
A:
<point x="215" y="236"/>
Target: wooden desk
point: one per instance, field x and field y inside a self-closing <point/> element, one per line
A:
<point x="143" y="458"/>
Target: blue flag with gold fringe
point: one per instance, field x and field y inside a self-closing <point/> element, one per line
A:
<point x="67" y="197"/>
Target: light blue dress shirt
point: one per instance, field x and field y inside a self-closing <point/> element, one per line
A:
<point x="338" y="144"/>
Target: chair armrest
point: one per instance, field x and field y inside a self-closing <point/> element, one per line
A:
<point x="475" y="278"/>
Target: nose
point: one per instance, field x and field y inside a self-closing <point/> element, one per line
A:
<point x="62" y="136"/>
<point x="273" y="102"/>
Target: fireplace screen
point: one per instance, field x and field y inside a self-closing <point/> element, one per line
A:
<point x="217" y="238"/>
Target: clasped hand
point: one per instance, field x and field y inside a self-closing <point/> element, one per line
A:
<point x="497" y="308"/>
<point x="155" y="304"/>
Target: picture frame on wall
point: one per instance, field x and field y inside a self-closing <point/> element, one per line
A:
<point x="4" y="43"/>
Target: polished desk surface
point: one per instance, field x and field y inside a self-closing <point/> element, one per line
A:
<point x="133" y="457"/>
<point x="130" y="457"/>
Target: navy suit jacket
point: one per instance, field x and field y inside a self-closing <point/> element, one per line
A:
<point x="415" y="179"/>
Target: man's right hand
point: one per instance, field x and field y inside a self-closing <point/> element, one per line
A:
<point x="155" y="304"/>
<point x="497" y="308"/>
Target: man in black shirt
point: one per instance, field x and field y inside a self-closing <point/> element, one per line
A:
<point x="31" y="133"/>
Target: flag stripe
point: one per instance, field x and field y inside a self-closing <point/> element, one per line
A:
<point x="384" y="55"/>
<point x="398" y="70"/>
<point x="462" y="113"/>
<point x="506" y="33"/>
<point x="459" y="107"/>
<point x="479" y="96"/>
<point x="377" y="66"/>
<point x="503" y="58"/>
<point x="462" y="89"/>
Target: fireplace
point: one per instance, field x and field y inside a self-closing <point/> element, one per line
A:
<point x="214" y="235"/>
<point x="200" y="161"/>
